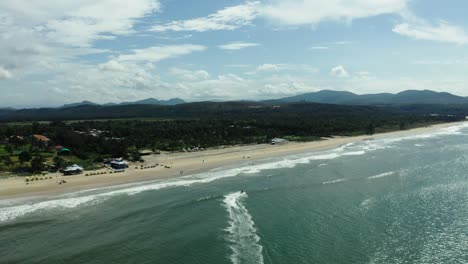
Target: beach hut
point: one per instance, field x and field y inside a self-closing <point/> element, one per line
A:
<point x="278" y="141"/>
<point x="119" y="164"/>
<point x="145" y="152"/>
<point x="72" y="170"/>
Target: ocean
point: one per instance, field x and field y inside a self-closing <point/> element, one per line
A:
<point x="390" y="200"/>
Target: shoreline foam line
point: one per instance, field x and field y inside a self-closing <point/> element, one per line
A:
<point x="241" y="232"/>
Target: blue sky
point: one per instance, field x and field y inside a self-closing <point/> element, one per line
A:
<point x="54" y="51"/>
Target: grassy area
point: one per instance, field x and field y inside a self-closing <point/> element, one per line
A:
<point x="3" y="152"/>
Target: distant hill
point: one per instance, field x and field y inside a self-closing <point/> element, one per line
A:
<point x="324" y="102"/>
<point x="148" y="101"/>
<point x="153" y="101"/>
<point x="78" y="104"/>
<point x="325" y="96"/>
<point x="405" y="97"/>
<point x="7" y="109"/>
<point x="206" y="110"/>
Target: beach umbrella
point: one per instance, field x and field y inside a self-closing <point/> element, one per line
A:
<point x="63" y="151"/>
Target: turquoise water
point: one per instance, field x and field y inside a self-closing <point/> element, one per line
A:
<point x="394" y="200"/>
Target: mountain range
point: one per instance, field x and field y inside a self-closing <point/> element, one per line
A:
<point x="402" y="98"/>
<point x="407" y="102"/>
<point x="148" y="101"/>
<point x="330" y="97"/>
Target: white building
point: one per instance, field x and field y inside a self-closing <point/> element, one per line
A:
<point x="278" y="141"/>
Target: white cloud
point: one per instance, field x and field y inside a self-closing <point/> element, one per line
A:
<point x="441" y="32"/>
<point x="36" y="37"/>
<point x="270" y="67"/>
<point x="319" y="48"/>
<point x="104" y="83"/>
<point x="234" y="87"/>
<point x="344" y="42"/>
<point x="441" y="62"/>
<point x="80" y="22"/>
<point x="4" y="74"/>
<point x="188" y="75"/>
<point x="229" y="18"/>
<point x="340" y="72"/>
<point x="158" y="53"/>
<point x="112" y="65"/>
<point x="363" y="73"/>
<point x="312" y="12"/>
<point x="238" y="45"/>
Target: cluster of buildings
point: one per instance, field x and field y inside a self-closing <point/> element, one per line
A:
<point x="116" y="164"/>
<point x="46" y="143"/>
<point x="93" y="132"/>
<point x="194" y="149"/>
<point x="97" y="133"/>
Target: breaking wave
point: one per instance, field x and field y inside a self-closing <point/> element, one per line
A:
<point x="385" y="174"/>
<point x="447" y="131"/>
<point x="12" y="212"/>
<point x="335" y="181"/>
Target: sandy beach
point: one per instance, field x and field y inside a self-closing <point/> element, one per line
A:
<point x="182" y="164"/>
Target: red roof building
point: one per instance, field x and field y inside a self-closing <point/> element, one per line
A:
<point x="41" y="138"/>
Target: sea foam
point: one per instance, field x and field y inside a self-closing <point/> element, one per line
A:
<point x="241" y="232"/>
<point x="447" y="131"/>
<point x="12" y="212"/>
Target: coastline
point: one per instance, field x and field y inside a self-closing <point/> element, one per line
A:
<point x="183" y="164"/>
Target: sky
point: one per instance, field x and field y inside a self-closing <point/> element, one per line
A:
<point x="54" y="52"/>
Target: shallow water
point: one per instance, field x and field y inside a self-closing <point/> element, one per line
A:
<point x="394" y="200"/>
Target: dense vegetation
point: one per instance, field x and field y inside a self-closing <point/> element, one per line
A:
<point x="230" y="110"/>
<point x="188" y="126"/>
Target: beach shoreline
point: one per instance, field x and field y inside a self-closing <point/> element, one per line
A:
<point x="182" y="164"/>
